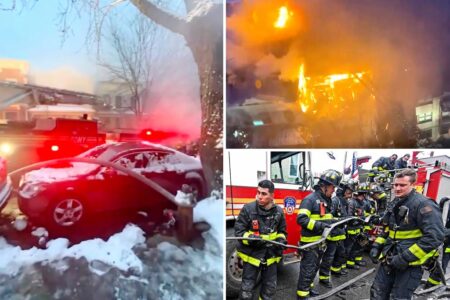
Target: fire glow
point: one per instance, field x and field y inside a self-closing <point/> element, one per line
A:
<point x="283" y="15"/>
<point x="306" y="94"/>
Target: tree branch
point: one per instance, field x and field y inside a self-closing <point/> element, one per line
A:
<point x="160" y="16"/>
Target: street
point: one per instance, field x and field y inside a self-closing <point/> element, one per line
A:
<point x="288" y="276"/>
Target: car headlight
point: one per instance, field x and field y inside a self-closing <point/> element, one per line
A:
<point x="6" y="149"/>
<point x="30" y="190"/>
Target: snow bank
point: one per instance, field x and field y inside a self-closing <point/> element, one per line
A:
<point x="211" y="210"/>
<point x="116" y="251"/>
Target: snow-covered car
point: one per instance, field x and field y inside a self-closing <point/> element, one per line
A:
<point x="65" y="195"/>
<point x="5" y="184"/>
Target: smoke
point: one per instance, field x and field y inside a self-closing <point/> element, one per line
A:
<point x="173" y="102"/>
<point x="64" y="77"/>
<point x="404" y="44"/>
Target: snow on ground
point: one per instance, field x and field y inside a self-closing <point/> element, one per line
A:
<point x="116" y="251"/>
<point x="124" y="266"/>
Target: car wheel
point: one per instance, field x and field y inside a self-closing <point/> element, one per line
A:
<point x="67" y="212"/>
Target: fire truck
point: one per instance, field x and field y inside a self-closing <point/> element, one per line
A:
<point x="292" y="176"/>
<point x="46" y="139"/>
<point x="5" y="184"/>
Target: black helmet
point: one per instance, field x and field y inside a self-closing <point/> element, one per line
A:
<point x="348" y="184"/>
<point x="331" y="177"/>
<point x="363" y="188"/>
<point x="376" y="189"/>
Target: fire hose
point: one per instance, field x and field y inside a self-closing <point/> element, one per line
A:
<point x="325" y="234"/>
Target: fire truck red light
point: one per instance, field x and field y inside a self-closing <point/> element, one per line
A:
<point x="54" y="148"/>
<point x="148" y="132"/>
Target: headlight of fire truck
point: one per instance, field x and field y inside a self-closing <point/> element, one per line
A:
<point x="6" y="149"/>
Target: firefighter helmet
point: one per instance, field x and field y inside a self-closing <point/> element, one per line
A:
<point x="376" y="189"/>
<point x="348" y="184"/>
<point x="363" y="188"/>
<point x="332" y="177"/>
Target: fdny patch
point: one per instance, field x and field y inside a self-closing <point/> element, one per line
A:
<point x="289" y="205"/>
<point x="425" y="210"/>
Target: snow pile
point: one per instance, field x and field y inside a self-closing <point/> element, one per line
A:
<point x="124" y="267"/>
<point x="117" y="251"/>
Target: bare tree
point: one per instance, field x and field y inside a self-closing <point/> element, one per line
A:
<point x="202" y="29"/>
<point x="132" y="57"/>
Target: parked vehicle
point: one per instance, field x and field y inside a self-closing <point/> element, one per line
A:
<point x="5" y="184"/>
<point x="63" y="196"/>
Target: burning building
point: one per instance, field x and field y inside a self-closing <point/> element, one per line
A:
<point x="350" y="80"/>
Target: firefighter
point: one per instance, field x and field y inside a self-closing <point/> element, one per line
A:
<point x="314" y="216"/>
<point x="379" y="196"/>
<point x="414" y="232"/>
<point x="435" y="278"/>
<point x="261" y="220"/>
<point x="382" y="164"/>
<point x="356" y="208"/>
<point x="340" y="203"/>
<point x="402" y="163"/>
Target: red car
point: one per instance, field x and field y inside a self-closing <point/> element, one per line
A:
<point x="63" y="196"/>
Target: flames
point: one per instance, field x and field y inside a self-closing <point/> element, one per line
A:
<point x="283" y="16"/>
<point x="325" y="87"/>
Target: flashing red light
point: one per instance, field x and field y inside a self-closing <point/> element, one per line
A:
<point x="148" y="132"/>
<point x="54" y="148"/>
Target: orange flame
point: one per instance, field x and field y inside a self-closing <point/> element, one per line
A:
<point x="302" y="91"/>
<point x="283" y="15"/>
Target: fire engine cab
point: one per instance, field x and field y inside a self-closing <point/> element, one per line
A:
<point x="44" y="139"/>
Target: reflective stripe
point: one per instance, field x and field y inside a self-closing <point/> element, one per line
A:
<point x="304" y="211"/>
<point x="380" y="240"/>
<point x="319" y="217"/>
<point x="350" y="263"/>
<point x="367" y="228"/>
<point x="302" y="293"/>
<point x="382" y="195"/>
<point x="336" y="238"/>
<point x="248" y="259"/>
<point x="344" y="266"/>
<point x="359" y="258"/>
<point x="424" y="258"/>
<point x="432" y="281"/>
<point x="354" y="231"/>
<point x="311" y="224"/>
<point x="273" y="260"/>
<point x="366" y="214"/>
<point x="417" y="251"/>
<point x="245" y="242"/>
<point x="447" y="250"/>
<point x="270" y="236"/>
<point x="281" y="235"/>
<point x="405" y="234"/>
<point x="334" y="269"/>
<point x="323" y="277"/>
<point x="309" y="239"/>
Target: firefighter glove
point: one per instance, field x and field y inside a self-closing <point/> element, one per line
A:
<point x="322" y="225"/>
<point x="399" y="262"/>
<point x="374" y="254"/>
<point x="282" y="241"/>
<point x="256" y="243"/>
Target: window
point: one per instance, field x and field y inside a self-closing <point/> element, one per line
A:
<point x="424" y="118"/>
<point x="293" y="166"/>
<point x="118" y="101"/>
<point x="285" y="167"/>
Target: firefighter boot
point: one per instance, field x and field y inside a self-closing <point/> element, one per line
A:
<point x="360" y="262"/>
<point x="326" y="283"/>
<point x="314" y="293"/>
